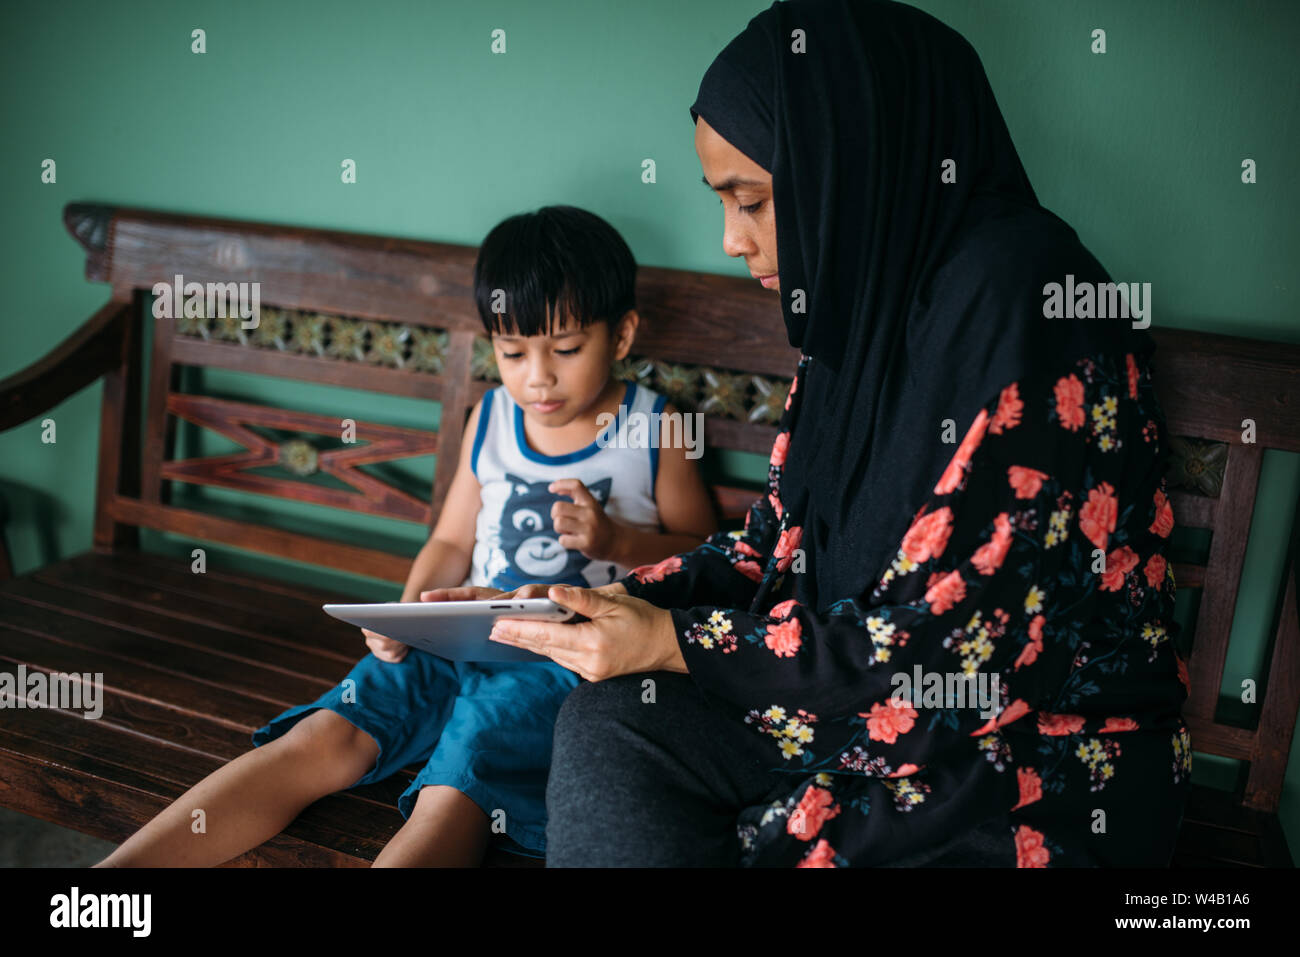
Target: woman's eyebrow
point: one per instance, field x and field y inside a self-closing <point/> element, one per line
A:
<point x="731" y="183"/>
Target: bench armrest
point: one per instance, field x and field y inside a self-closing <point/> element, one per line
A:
<point x="94" y="349"/>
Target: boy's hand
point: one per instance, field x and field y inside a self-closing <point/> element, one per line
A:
<point x="385" y="649"/>
<point x="477" y="593"/>
<point x="582" y="524"/>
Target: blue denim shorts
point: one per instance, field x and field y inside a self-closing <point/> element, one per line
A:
<point x="484" y="729"/>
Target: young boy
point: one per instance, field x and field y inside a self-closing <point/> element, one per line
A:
<point x="541" y="494"/>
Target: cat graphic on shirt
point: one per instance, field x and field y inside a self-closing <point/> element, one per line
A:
<point x="530" y="549"/>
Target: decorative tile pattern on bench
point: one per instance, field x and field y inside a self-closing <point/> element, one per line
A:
<point x="728" y="394"/>
<point x="391" y="344"/>
<point x="1197" y="465"/>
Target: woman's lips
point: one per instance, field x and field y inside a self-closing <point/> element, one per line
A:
<point x="545" y="407"/>
<point x="768" y="281"/>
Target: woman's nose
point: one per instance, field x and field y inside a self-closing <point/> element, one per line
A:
<point x="736" y="242"/>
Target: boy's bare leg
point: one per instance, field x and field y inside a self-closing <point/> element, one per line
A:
<point x="445" y="829"/>
<point x="254" y="797"/>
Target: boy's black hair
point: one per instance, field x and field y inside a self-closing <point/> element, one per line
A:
<point x="559" y="256"/>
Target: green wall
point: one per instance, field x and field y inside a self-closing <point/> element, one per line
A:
<point x="1140" y="149"/>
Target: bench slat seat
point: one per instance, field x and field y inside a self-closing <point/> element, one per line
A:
<point x="181" y="697"/>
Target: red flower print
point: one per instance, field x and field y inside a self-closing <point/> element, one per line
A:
<point x="785" y="547"/>
<point x="1056" y="725"/>
<point x="951" y="477"/>
<point x="1029" y="654"/>
<point x="1031" y="786"/>
<point x="746" y="549"/>
<point x="776" y="505"/>
<point x="1164" y="520"/>
<point x="1009" y="409"/>
<point x="945" y="593"/>
<point x="928" y="536"/>
<point x="988" y="557"/>
<point x="904" y="771"/>
<point x="1132" y="376"/>
<point x="749" y="569"/>
<point x="784" y="638"/>
<point x="1030" y="851"/>
<point x="1155" y="571"/>
<point x="1012" y="712"/>
<point x="1182" y="672"/>
<point x="657" y="573"/>
<point x="888" y="720"/>
<point x="823" y="855"/>
<point x="779" y="448"/>
<point x="816" y="807"/>
<point x="1119" y="724"/>
<point x="1025" y="481"/>
<point x="1097" y="515"/>
<point x="1118" y="564"/>
<point x="784" y="609"/>
<point x="1069" y="402"/>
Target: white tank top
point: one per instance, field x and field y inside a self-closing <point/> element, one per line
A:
<point x="515" y="542"/>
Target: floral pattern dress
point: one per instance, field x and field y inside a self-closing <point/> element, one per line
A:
<point x="1037" y="560"/>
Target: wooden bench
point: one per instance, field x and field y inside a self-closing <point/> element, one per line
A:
<point x="192" y="663"/>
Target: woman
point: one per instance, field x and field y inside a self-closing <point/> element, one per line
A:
<point x="960" y="487"/>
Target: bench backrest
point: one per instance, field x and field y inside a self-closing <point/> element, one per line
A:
<point x="397" y="316"/>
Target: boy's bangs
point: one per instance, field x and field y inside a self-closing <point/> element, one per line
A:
<point x="561" y="265"/>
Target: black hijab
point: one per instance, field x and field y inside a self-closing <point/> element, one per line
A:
<point x="923" y="297"/>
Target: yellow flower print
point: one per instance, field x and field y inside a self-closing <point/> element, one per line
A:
<point x="1034" y="600"/>
<point x="775" y="713"/>
<point x="1182" y="746"/>
<point x="823" y="779"/>
<point x="1097" y="755"/>
<point x="1111" y="404"/>
<point x="790" y="749"/>
<point x="907" y="793"/>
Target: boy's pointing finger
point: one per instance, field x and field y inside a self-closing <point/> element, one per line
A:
<point x="573" y="488"/>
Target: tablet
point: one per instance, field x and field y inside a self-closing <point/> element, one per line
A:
<point x="457" y="630"/>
